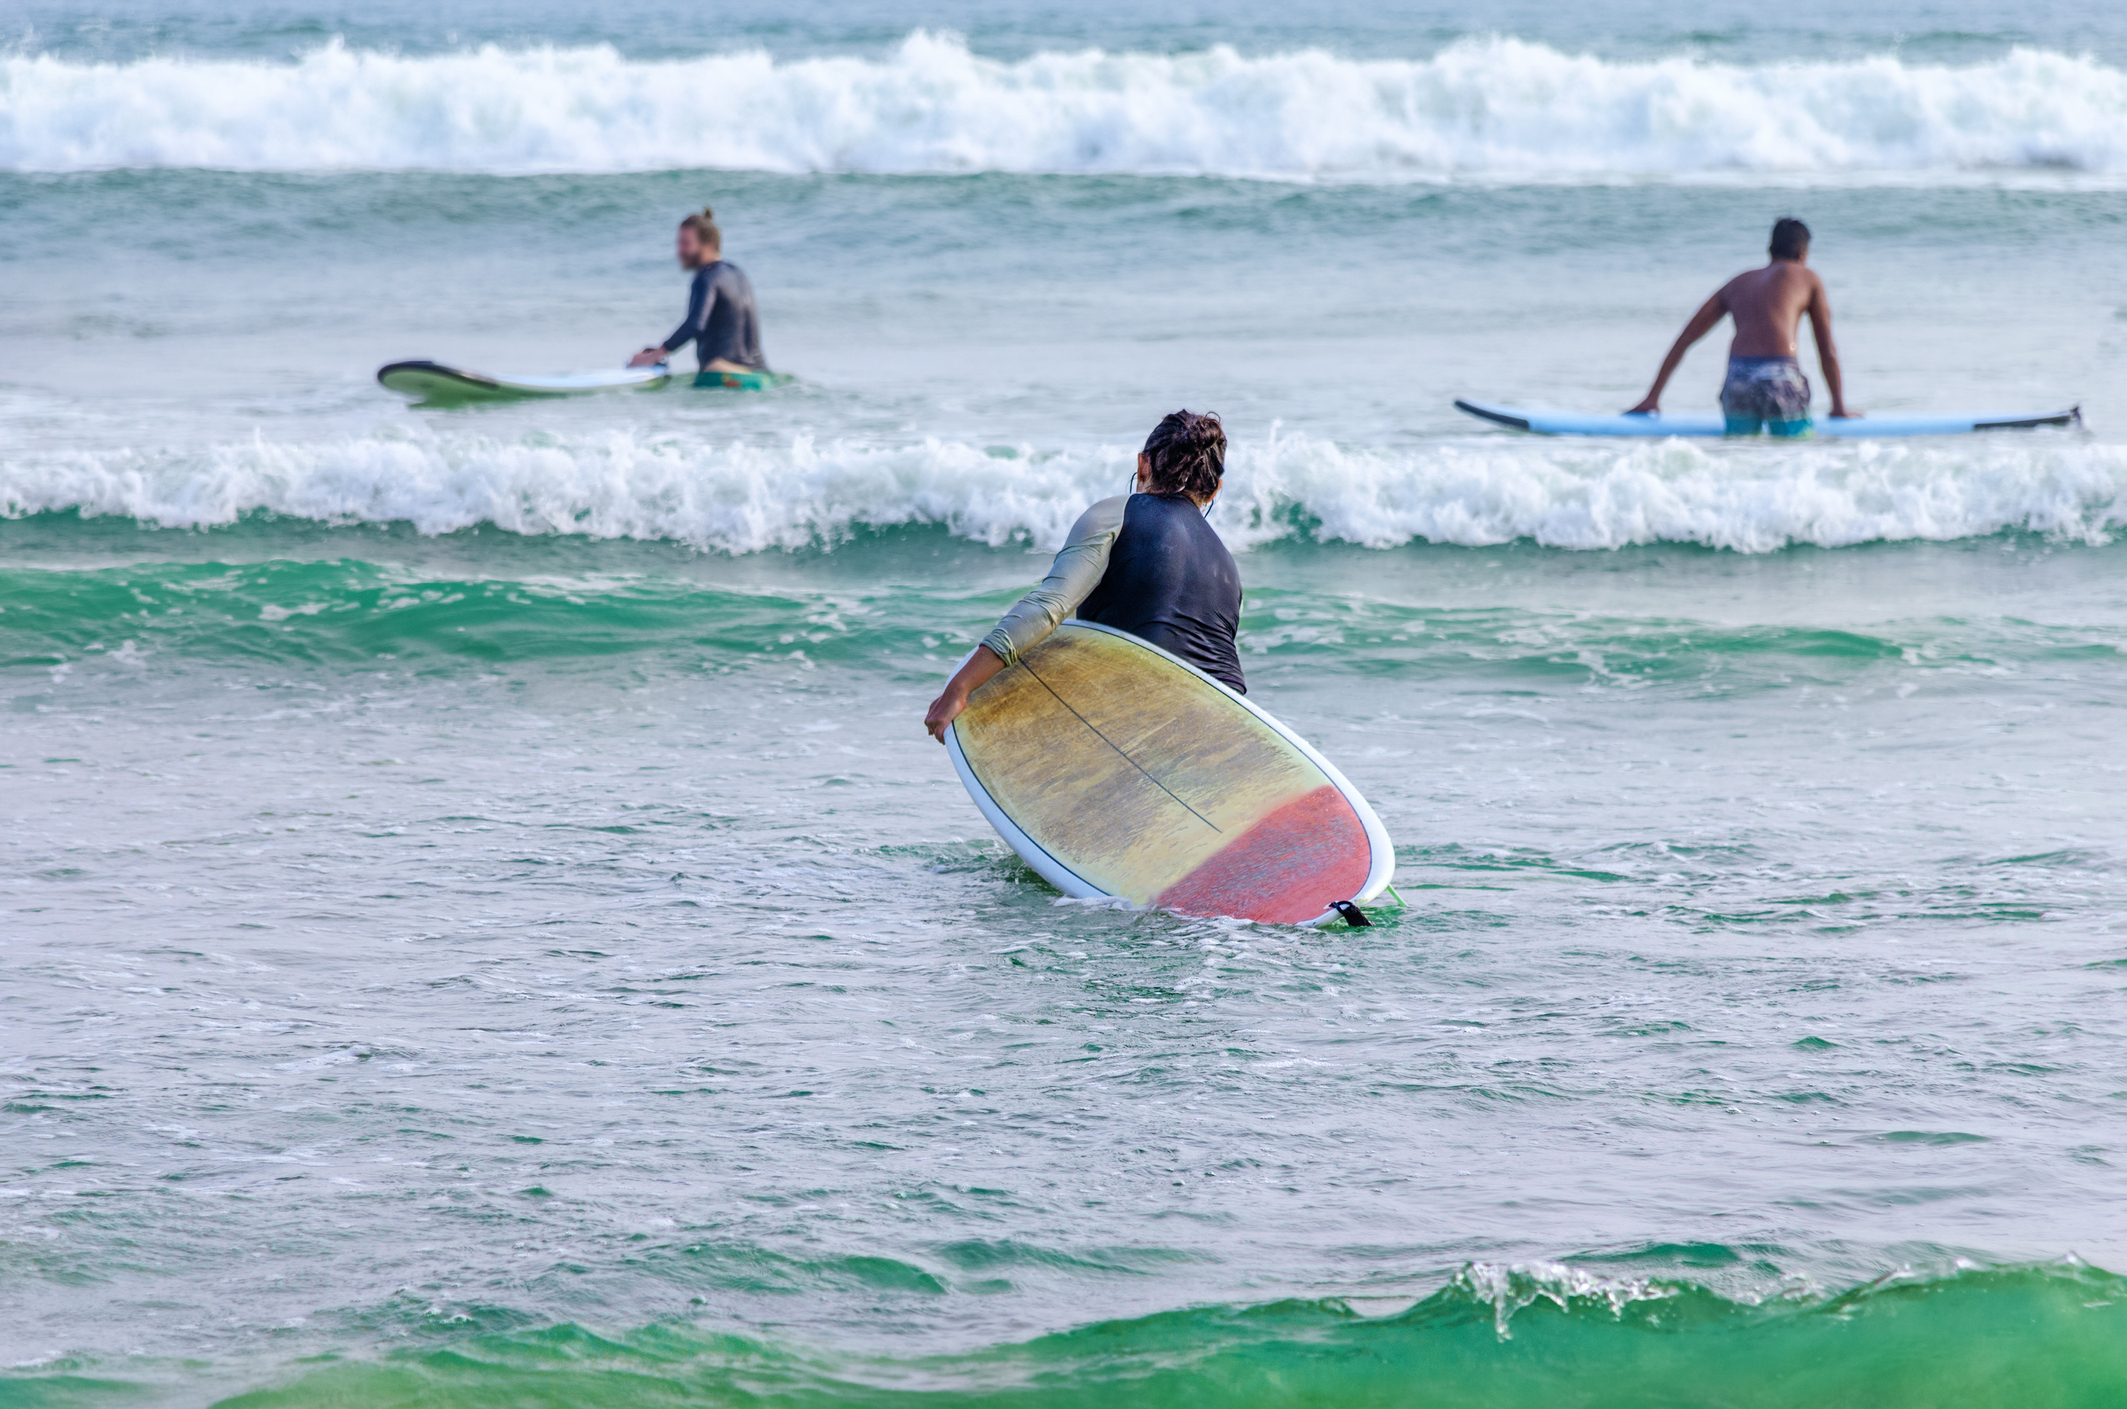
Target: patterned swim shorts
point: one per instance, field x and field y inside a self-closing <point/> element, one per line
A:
<point x="1768" y="394"/>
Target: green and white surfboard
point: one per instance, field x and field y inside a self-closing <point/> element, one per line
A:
<point x="436" y="384"/>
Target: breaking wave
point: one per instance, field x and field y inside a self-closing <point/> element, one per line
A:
<point x="1474" y="490"/>
<point x="2036" y="1335"/>
<point x="1479" y="109"/>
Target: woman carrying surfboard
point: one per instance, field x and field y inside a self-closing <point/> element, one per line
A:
<point x="1114" y="752"/>
<point x="1146" y="563"/>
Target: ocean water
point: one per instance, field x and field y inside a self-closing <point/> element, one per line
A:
<point x="483" y="923"/>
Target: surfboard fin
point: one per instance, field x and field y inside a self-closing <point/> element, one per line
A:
<point x="1353" y="915"/>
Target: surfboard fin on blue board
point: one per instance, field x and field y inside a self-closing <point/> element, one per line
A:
<point x="1353" y="915"/>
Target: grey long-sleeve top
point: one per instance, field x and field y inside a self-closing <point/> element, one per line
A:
<point x="1147" y="564"/>
<point x="721" y="321"/>
<point x="1080" y="564"/>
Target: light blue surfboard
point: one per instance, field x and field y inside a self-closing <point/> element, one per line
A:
<point x="1542" y="422"/>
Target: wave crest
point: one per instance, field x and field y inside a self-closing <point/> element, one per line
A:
<point x="1472" y="491"/>
<point x="1496" y="108"/>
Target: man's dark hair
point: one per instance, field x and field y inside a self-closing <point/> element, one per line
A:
<point x="1790" y="238"/>
<point x="1188" y="453"/>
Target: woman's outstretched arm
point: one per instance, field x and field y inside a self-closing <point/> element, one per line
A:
<point x="981" y="664"/>
<point x="1080" y="564"/>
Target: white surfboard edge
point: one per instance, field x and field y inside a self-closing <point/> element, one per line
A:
<point x="1381" y="852"/>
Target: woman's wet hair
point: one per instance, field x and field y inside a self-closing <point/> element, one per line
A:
<point x="704" y="228"/>
<point x="1790" y="237"/>
<point x="1188" y="453"/>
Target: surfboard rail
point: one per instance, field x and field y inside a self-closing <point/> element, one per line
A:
<point x="2073" y="416"/>
<point x="1488" y="413"/>
<point x="1058" y="872"/>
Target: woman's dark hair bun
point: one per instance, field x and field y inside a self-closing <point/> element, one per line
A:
<point x="1188" y="453"/>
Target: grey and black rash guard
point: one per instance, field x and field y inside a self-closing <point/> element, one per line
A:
<point x="1147" y="564"/>
<point x="720" y="320"/>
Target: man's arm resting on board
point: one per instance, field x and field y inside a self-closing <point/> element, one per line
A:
<point x="700" y="299"/>
<point x="1080" y="564"/>
<point x="1702" y="322"/>
<point x="1820" y="325"/>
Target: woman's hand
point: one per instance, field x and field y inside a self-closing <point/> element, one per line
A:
<point x="648" y="357"/>
<point x="944" y="710"/>
<point x="972" y="676"/>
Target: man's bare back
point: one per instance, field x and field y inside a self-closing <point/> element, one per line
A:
<point x="1767" y="305"/>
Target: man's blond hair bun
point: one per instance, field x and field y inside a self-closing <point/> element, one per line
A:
<point x="704" y="228"/>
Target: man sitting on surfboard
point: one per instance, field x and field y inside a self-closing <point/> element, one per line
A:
<point x="1765" y="389"/>
<point x="1146" y="563"/>
<point x="720" y="320"/>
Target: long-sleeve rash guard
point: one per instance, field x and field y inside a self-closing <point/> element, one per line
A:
<point x="1147" y="564"/>
<point x="720" y="320"/>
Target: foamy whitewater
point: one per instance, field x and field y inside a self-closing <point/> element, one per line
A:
<point x="484" y="923"/>
<point x="738" y="498"/>
<point x="1496" y="108"/>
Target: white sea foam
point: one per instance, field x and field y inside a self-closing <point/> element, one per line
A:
<point x="1475" y="490"/>
<point x="1479" y="109"/>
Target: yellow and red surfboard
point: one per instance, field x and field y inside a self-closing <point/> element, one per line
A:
<point x="1116" y="769"/>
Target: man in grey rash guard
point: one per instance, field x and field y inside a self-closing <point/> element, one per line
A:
<point x="720" y="321"/>
<point x="1146" y="563"/>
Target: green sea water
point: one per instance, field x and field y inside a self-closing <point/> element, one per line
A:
<point x="2041" y="1336"/>
<point x="554" y="970"/>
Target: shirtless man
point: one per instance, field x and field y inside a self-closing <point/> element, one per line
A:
<point x="1765" y="389"/>
<point x="720" y="321"/>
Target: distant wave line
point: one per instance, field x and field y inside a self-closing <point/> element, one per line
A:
<point x="1498" y="108"/>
